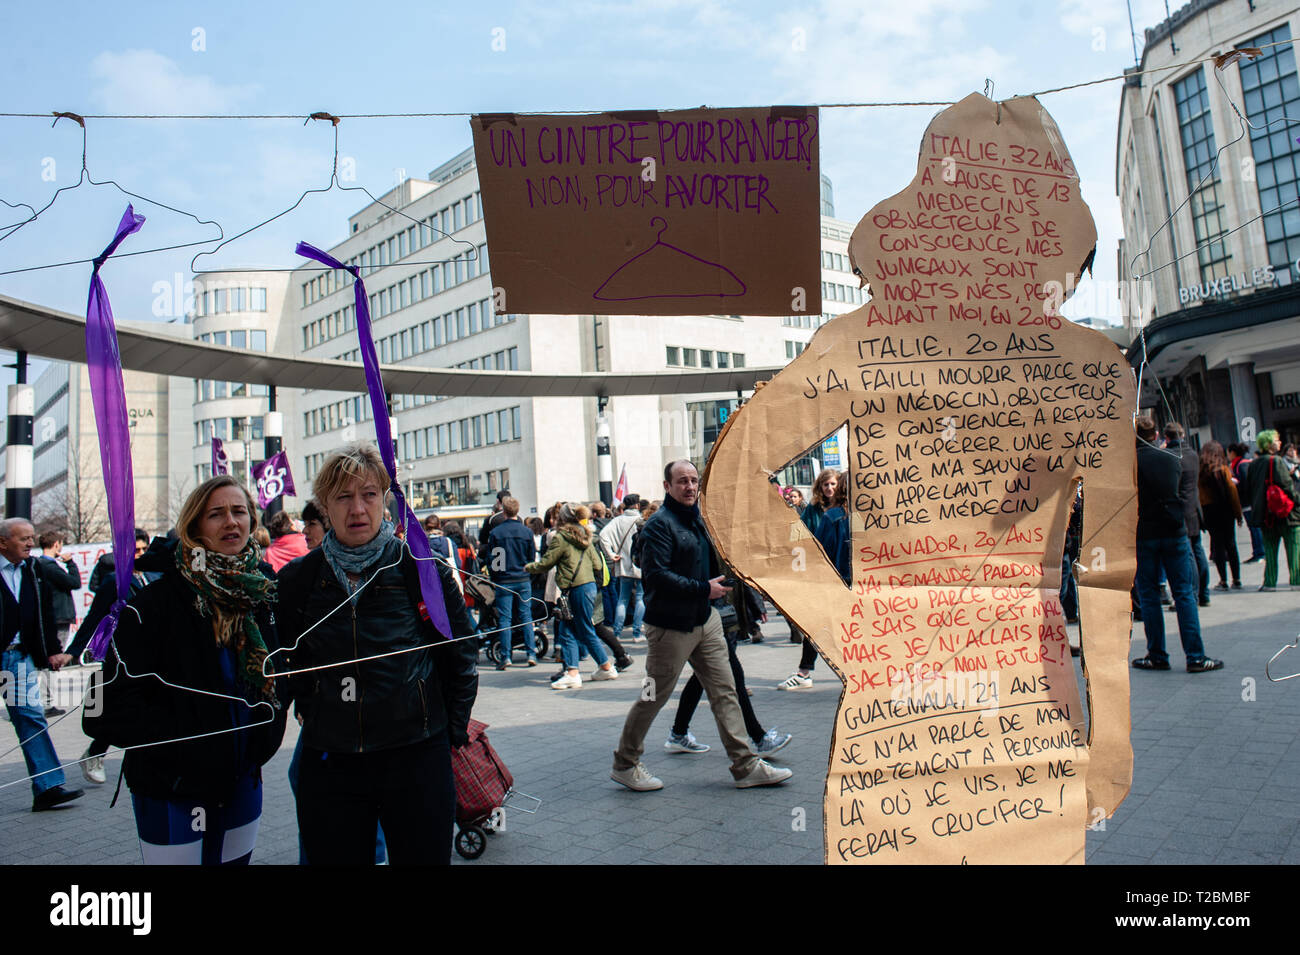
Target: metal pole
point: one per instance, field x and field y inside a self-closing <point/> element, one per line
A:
<point x="18" y="453"/>
<point x="604" y="462"/>
<point x="272" y="444"/>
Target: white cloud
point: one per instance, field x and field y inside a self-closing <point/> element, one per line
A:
<point x="145" y="81"/>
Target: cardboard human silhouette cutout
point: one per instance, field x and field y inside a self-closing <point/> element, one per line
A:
<point x="973" y="412"/>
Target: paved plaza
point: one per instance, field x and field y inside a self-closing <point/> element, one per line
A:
<point x="1217" y="766"/>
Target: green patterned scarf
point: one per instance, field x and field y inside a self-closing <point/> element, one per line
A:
<point x="229" y="589"/>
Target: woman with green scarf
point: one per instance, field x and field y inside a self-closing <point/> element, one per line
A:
<point x="185" y="687"/>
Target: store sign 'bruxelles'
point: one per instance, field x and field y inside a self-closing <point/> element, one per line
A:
<point x="1225" y="285"/>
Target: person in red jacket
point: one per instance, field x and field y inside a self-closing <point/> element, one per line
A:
<point x="286" y="543"/>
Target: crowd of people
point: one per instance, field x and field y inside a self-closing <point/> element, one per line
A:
<point x="231" y="627"/>
<point x="1183" y="494"/>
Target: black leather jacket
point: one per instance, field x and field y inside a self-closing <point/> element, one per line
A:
<point x="382" y="703"/>
<point x="675" y="597"/>
<point x="165" y="635"/>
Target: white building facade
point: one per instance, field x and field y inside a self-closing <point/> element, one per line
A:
<point x="1210" y="258"/>
<point x="427" y="270"/>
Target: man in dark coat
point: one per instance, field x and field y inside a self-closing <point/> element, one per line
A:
<point x="1190" y="494"/>
<point x="681" y="575"/>
<point x="1162" y="542"/>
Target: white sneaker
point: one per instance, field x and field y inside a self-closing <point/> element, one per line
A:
<point x="795" y="682"/>
<point x="92" y="767"/>
<point x="610" y="674"/>
<point x="763" y="774"/>
<point x="685" y="744"/>
<point x="568" y="682"/>
<point x="772" y="741"/>
<point x="638" y="779"/>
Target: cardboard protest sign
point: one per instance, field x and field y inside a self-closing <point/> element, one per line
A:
<point x="685" y="212"/>
<point x="973" y="411"/>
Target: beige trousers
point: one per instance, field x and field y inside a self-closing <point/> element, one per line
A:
<point x="705" y="648"/>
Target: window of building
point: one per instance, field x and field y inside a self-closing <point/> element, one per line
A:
<point x="688" y="357"/>
<point x="706" y="358"/>
<point x="1196" y="132"/>
<point x="737" y="360"/>
<point x="1271" y="92"/>
<point x="724" y="359"/>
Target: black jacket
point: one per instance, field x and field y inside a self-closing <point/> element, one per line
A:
<point x="42" y="641"/>
<point x="382" y="703"/>
<point x="165" y="635"/>
<point x="103" y="603"/>
<point x="1189" y="491"/>
<point x="1160" y="509"/>
<point x="671" y="561"/>
<point x="64" y="578"/>
<point x="106" y="565"/>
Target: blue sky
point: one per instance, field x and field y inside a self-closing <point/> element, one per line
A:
<point x="347" y="58"/>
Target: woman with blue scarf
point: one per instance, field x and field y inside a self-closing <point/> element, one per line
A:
<point x="384" y="697"/>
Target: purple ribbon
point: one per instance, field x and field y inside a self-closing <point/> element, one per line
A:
<point x="435" y="609"/>
<point x="108" y="396"/>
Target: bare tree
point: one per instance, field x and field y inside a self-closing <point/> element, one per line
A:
<point x="79" y="507"/>
<point x="178" y="489"/>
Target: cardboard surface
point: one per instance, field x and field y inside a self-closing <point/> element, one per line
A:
<point x="972" y="410"/>
<point x="688" y="212"/>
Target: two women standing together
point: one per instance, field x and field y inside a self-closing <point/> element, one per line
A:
<point x="208" y="658"/>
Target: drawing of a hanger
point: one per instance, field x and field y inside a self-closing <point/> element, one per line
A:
<point x="86" y="178"/>
<point x="1280" y="679"/>
<point x="333" y="184"/>
<point x="697" y="277"/>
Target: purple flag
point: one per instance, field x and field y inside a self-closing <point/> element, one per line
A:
<point x="108" y="396"/>
<point x="273" y="478"/>
<point x="430" y="583"/>
<point x="220" y="463"/>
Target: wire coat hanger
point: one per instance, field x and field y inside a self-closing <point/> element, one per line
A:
<point x="1294" y="644"/>
<point x="333" y="184"/>
<point x="86" y="178"/>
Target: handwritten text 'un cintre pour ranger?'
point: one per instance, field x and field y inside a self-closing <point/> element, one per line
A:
<point x="555" y="150"/>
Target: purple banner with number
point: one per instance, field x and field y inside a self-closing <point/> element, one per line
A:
<point x="108" y="396"/>
<point x="220" y="463"/>
<point x="273" y="478"/>
<point x="416" y="539"/>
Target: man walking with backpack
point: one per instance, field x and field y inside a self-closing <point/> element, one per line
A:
<point x="1272" y="493"/>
